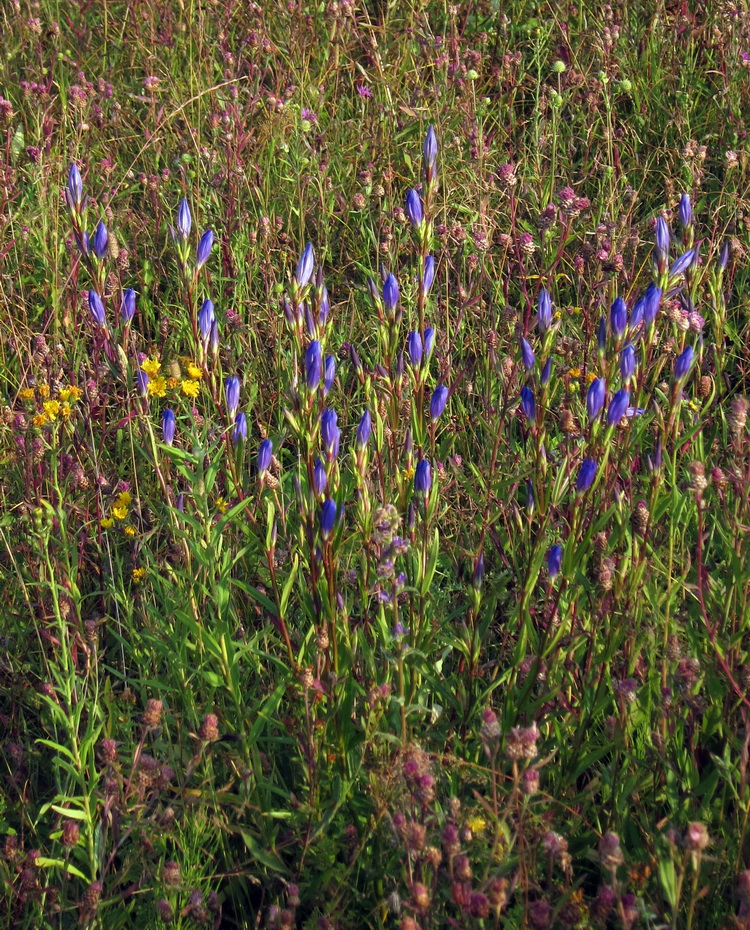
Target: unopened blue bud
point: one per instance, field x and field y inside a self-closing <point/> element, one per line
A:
<point x="265" y="453"/>
<point x="206" y="316"/>
<point x="127" y="308"/>
<point x="305" y="266"/>
<point x="544" y="311"/>
<point x="330" y="374"/>
<point x="239" y="431"/>
<point x="595" y="397"/>
<point x="232" y="392"/>
<point x="141" y="381"/>
<point x="213" y="340"/>
<point x="414" y="209"/>
<point x="586" y="475"/>
<point x="74" y="186"/>
<point x="423" y="478"/>
<point x="527" y="355"/>
<point x="428" y="274"/>
<point x="168" y="426"/>
<point x="329" y="431"/>
<point x="429" y="342"/>
<point x="528" y="404"/>
<point x="96" y="309"/>
<point x="601" y="335"/>
<point x="414" y="347"/>
<point x="430" y="149"/>
<point x="662" y="237"/>
<point x="685" y="211"/>
<point x="546" y="371"/>
<point x="652" y="302"/>
<point x="325" y="306"/>
<point x="184" y="220"/>
<point x="554" y="561"/>
<point x="203" y="251"/>
<point x="618" y="407"/>
<point x="364" y="429"/>
<point x="724" y="256"/>
<point x="313" y="364"/>
<point x="328" y="513"/>
<point x="618" y="316"/>
<point x="438" y="401"/>
<point x="684" y="363"/>
<point x="478" y="574"/>
<point x="627" y="363"/>
<point x="320" y="478"/>
<point x="390" y="293"/>
<point x="682" y="263"/>
<point x="99" y="240"/>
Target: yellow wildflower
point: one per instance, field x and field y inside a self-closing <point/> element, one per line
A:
<point x="576" y="310"/>
<point x="52" y="408"/>
<point x="138" y="574"/>
<point x="195" y="373"/>
<point x="172" y="383"/>
<point x="130" y="531"/>
<point x="40" y="419"/>
<point x="75" y="393"/>
<point x="151" y="366"/>
<point x="409" y="473"/>
<point x="65" y="411"/>
<point x="476" y="824"/>
<point x="119" y="512"/>
<point x="190" y="388"/>
<point x="590" y="376"/>
<point x="221" y="505"/>
<point x="157" y="387"/>
<point x="44" y="390"/>
<point x="124" y="498"/>
<point x="106" y="523"/>
<point x="26" y="394"/>
<point x="575" y="372"/>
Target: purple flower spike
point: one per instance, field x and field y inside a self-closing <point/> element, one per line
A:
<point x="544" y="311"/>
<point x="527" y="355"/>
<point x="184" y="220"/>
<point x="320" y="478"/>
<point x="527" y="403"/>
<point x="595" y="397"/>
<point x="428" y="275"/>
<point x="414" y="208"/>
<point x="206" y="316"/>
<point x="554" y="561"/>
<point x="204" y="248"/>
<point x="239" y="433"/>
<point x="232" y="392"/>
<point x="438" y="401"/>
<point x="99" y="240"/>
<point x="313" y="364"/>
<point x="330" y="374"/>
<point x="682" y="264"/>
<point x="586" y="476"/>
<point x="328" y="513"/>
<point x="683" y="364"/>
<point x="168" y="425"/>
<point x="127" y="308"/>
<point x="74" y="187"/>
<point x="414" y="347"/>
<point x="685" y="211"/>
<point x="423" y="478"/>
<point x="305" y="266"/>
<point x="390" y="293"/>
<point x="265" y="452"/>
<point x="618" y="406"/>
<point x="364" y="429"/>
<point x="96" y="309"/>
<point x="618" y="317"/>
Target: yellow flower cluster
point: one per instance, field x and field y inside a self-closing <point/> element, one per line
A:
<point x="158" y="384"/>
<point x="138" y="574"/>
<point x="121" y="505"/>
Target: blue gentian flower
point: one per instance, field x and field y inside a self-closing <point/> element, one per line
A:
<point x="305" y="266"/>
<point x="96" y="309"/>
<point x="203" y="251"/>
<point x="265" y="453"/>
<point x="168" y="426"/>
<point x="438" y="401"/>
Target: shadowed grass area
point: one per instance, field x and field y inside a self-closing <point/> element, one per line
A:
<point x="399" y="579"/>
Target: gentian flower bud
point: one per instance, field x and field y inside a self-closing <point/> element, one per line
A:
<point x="168" y="425"/>
<point x="265" y="453"/>
<point x="232" y="392"/>
<point x="414" y="208"/>
<point x="683" y="364"/>
<point x="127" y="308"/>
<point x="320" y="478"/>
<point x="429" y="342"/>
<point x="141" y="381"/>
<point x="430" y="151"/>
<point x="428" y="274"/>
<point x="354" y="359"/>
<point x="685" y="211"/>
<point x="627" y="363"/>
<point x="399" y="366"/>
<point x="636" y="316"/>
<point x="423" y="478"/>
<point x="184" y="220"/>
<point x="652" y="301"/>
<point x="682" y="263"/>
<point x="305" y="266"/>
<point x="544" y="311"/>
<point x="364" y="429"/>
<point x="214" y="338"/>
<point x="239" y="433"/>
<point x="313" y="364"/>
<point x="206" y="316"/>
<point x="724" y="256"/>
<point x="601" y="335"/>
<point x="329" y="431"/>
<point x="478" y="575"/>
<point x="99" y="240"/>
<point x="546" y="371"/>
<point x="554" y="560"/>
<point x="618" y="316"/>
<point x="181" y="502"/>
<point x="204" y="248"/>
<point x="96" y="309"/>
<point x="586" y="475"/>
<point x="328" y="514"/>
<point x="325" y="306"/>
<point x="595" y="397"/>
<point x="414" y="347"/>
<point x="438" y="401"/>
<point x="390" y="293"/>
<point x="330" y="374"/>
<point x="530" y="501"/>
<point x="74" y="187"/>
<point x="310" y="325"/>
<point x="527" y="403"/>
<point x="527" y="355"/>
<point x="618" y="406"/>
<point x="662" y="237"/>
